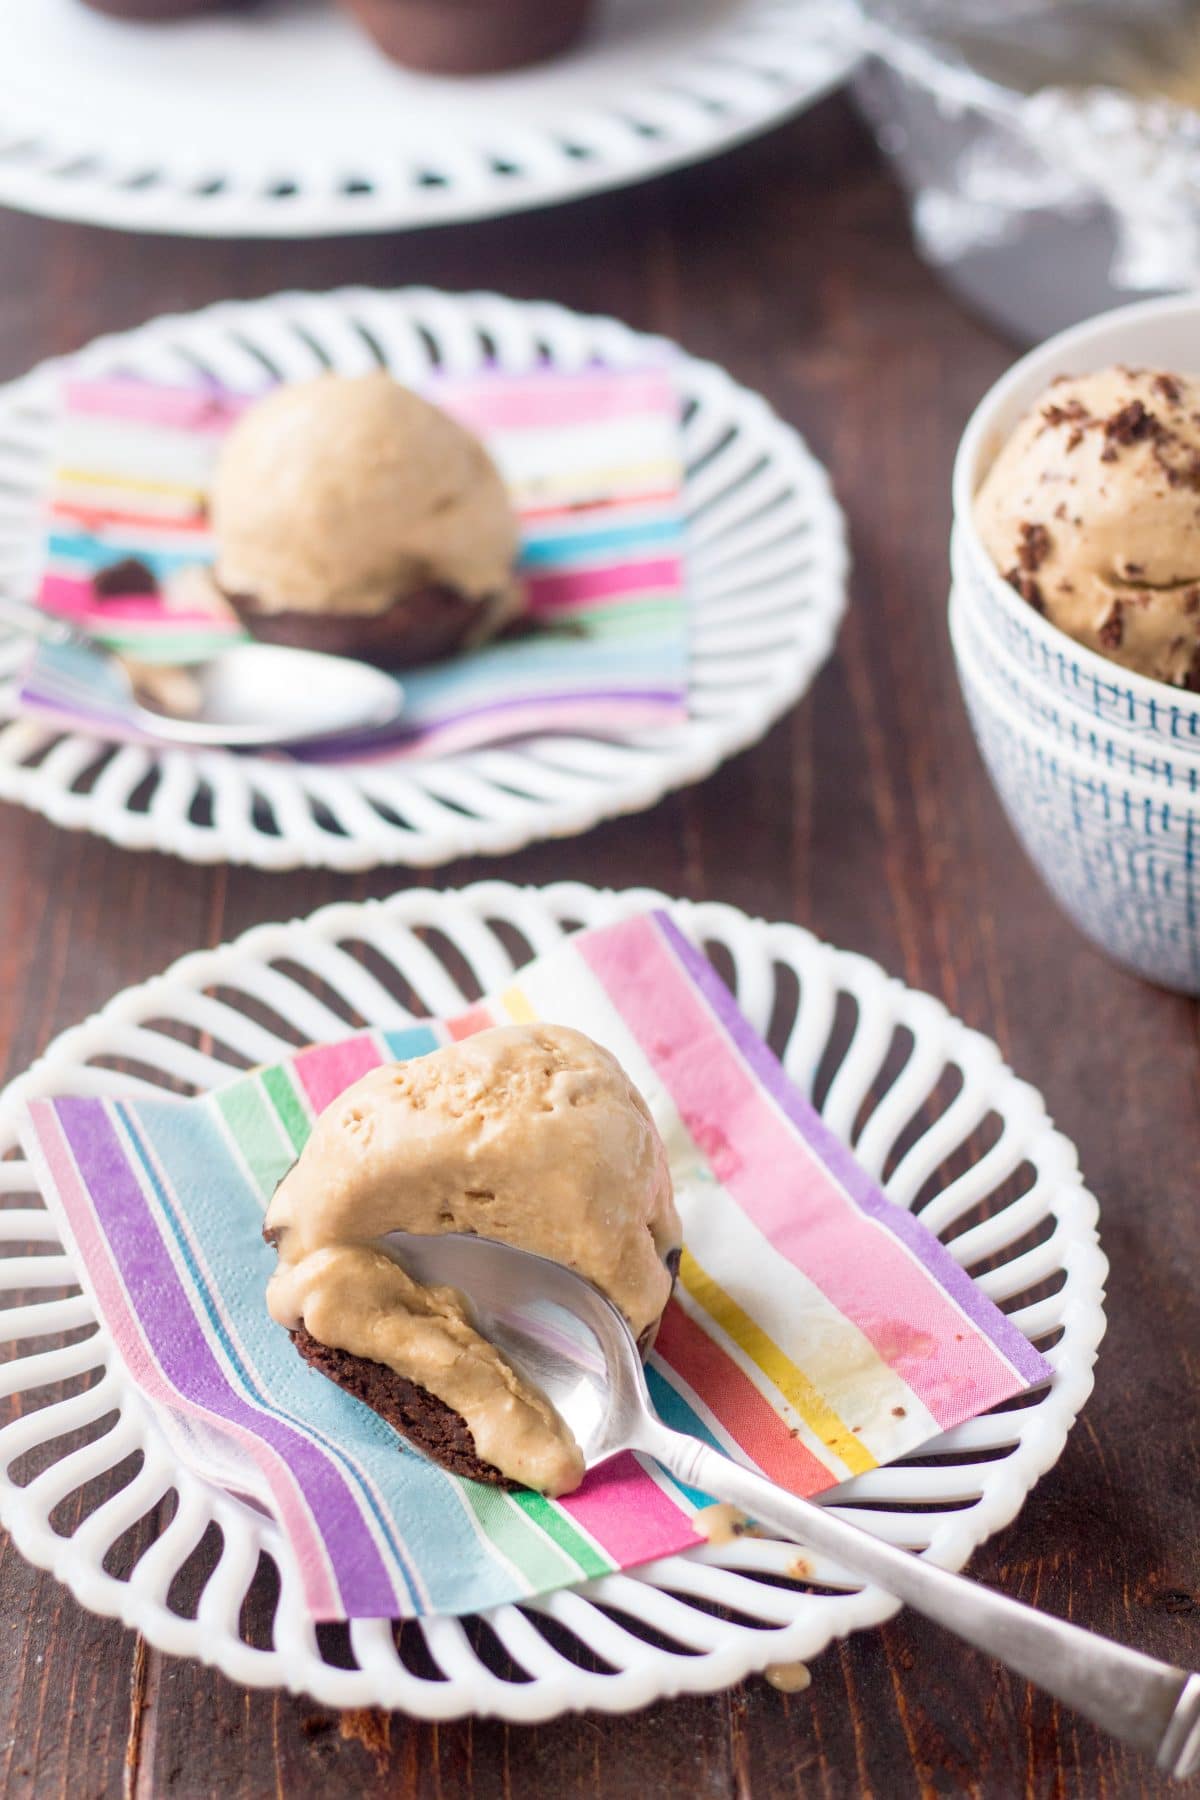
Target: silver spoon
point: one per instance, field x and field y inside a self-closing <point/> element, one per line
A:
<point x="250" y="694"/>
<point x="594" y="1379"/>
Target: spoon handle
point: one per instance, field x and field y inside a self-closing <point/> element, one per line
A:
<point x="1148" y="1703"/>
<point x="39" y="624"/>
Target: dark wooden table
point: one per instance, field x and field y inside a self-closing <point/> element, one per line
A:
<point x="867" y="816"/>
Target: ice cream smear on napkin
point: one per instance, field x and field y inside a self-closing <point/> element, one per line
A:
<point x="816" y="1329"/>
<point x="591" y="464"/>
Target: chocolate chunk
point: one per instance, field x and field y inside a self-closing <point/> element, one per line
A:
<point x="129" y="576"/>
<point x="1130" y="425"/>
<point x="1112" y="631"/>
<point x="1073" y="413"/>
<point x="1034" y="547"/>
<point x="1169" y="388"/>
<point x="1185" y="472"/>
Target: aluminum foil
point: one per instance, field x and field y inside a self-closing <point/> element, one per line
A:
<point x="1050" y="172"/>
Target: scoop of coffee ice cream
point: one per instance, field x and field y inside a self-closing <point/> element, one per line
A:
<point x="533" y="1135"/>
<point x="1092" y="511"/>
<point x="346" y="499"/>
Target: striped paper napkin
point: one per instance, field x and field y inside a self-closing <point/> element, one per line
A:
<point x="817" y="1329"/>
<point x="592" y="463"/>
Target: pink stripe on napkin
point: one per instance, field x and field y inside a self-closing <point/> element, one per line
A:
<point x="779" y="1182"/>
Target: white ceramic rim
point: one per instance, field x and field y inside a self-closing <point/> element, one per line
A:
<point x="993" y="417"/>
<point x="1067" y="759"/>
<point x="972" y="1480"/>
<point x="1171" y="753"/>
<point x="766" y="64"/>
<point x="767" y="570"/>
<point x="1070" y="725"/>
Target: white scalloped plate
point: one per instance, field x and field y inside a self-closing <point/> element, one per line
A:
<point x="214" y="127"/>
<point x="766" y="579"/>
<point x="929" y="1106"/>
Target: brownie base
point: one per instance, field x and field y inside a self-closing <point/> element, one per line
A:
<point x="422" y="627"/>
<point x="471" y="37"/>
<point x="413" y="1411"/>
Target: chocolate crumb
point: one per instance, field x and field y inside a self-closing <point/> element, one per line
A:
<point x="1074" y="439"/>
<point x="1132" y="570"/>
<point x="1129" y="425"/>
<point x="1169" y="388"/>
<point x="1060" y="511"/>
<point x="1034" y="547"/>
<point x="1073" y="413"/>
<point x="1191" y="600"/>
<point x="129" y="576"/>
<point x="899" y="1412"/>
<point x="1185" y="473"/>
<point x="1112" y="631"/>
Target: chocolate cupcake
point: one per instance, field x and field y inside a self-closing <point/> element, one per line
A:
<point x="352" y="516"/>
<point x="532" y="1135"/>
<point x="155" y="11"/>
<point x="471" y="37"/>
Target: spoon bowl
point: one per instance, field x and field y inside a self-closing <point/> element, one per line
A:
<point x="557" y="1330"/>
<point x="247" y="695"/>
<point x="268" y="694"/>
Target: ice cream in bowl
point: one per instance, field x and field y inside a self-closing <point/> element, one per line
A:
<point x="1077" y="519"/>
<point x="1075" y="621"/>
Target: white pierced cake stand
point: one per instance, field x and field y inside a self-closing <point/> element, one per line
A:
<point x="285" y="122"/>
<point x="766" y="576"/>
<point x="955" y="1135"/>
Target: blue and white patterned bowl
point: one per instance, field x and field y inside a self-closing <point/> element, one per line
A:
<point x="1119" y="854"/>
<point x="1063" y="724"/>
<point x="1161" y="333"/>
